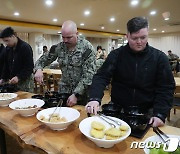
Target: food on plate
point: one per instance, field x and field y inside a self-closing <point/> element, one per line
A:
<point x="5" y="96"/>
<point x="97" y="125"/>
<point x="55" y="118"/>
<point x="113" y="133"/>
<point x="28" y="107"/>
<point x="97" y="130"/>
<point x="97" y="133"/>
<point x="123" y="128"/>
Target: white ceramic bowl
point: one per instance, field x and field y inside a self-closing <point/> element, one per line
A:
<point x="69" y="113"/>
<point x="21" y="106"/>
<point x="7" y="98"/>
<point x="85" y="127"/>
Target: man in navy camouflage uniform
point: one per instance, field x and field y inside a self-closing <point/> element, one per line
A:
<point x="76" y="58"/>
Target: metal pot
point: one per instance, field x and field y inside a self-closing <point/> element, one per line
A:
<point x="8" y="88"/>
<point x="136" y="122"/>
<point x="111" y="110"/>
<point x="135" y="110"/>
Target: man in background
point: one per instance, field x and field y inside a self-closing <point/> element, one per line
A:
<point x="173" y="59"/>
<point x="76" y="58"/>
<point x="45" y="50"/>
<point x="18" y="64"/>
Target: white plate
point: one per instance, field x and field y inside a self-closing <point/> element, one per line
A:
<point x="23" y="106"/>
<point x="7" y="98"/>
<point x="157" y="139"/>
<point x="85" y="127"/>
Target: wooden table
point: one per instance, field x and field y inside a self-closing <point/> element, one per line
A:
<point x="177" y="81"/>
<point x="30" y="133"/>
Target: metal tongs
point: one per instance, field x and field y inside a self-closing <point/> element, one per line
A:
<point x="160" y="133"/>
<point x="106" y="119"/>
<point x="58" y="105"/>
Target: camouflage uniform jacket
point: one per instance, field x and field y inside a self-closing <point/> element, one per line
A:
<point x="78" y="67"/>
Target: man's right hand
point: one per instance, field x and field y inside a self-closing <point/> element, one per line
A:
<point x="39" y="76"/>
<point x="92" y="107"/>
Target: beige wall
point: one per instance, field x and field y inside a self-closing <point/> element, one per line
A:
<point x="165" y="42"/>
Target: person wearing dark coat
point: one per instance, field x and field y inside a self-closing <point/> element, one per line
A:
<point x="141" y="76"/>
<point x="2" y="52"/>
<point x="18" y="64"/>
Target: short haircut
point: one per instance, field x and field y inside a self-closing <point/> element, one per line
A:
<point x="99" y="47"/>
<point x="137" y="23"/>
<point x="45" y="46"/>
<point x="7" y="32"/>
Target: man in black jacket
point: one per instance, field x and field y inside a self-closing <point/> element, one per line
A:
<point x="141" y="76"/>
<point x="2" y="51"/>
<point x="18" y="65"/>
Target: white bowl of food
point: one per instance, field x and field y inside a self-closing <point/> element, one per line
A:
<point x="7" y="98"/>
<point x="101" y="133"/>
<point x="27" y="107"/>
<point x="61" y="118"/>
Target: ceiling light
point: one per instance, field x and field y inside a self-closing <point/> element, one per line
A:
<point x="55" y="20"/>
<point x="87" y="12"/>
<point x="112" y="19"/>
<point x="81" y="24"/>
<point x="134" y="2"/>
<point x="16" y="13"/>
<point x="49" y="2"/>
<point x="163" y="31"/>
<point x="80" y="33"/>
<point x="152" y="12"/>
<point x="59" y="32"/>
<point x="117" y="30"/>
<point x="154" y="29"/>
<point x="102" y="27"/>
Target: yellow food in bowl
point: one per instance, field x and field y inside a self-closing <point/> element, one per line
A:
<point x="96" y="133"/>
<point x="55" y="118"/>
<point x="99" y="131"/>
<point x="113" y="133"/>
<point x="97" y="125"/>
<point x="123" y="128"/>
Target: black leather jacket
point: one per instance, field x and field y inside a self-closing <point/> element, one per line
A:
<point x="142" y="78"/>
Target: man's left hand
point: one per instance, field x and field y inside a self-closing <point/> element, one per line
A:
<point x="14" y="80"/>
<point x="156" y="122"/>
<point x="72" y="100"/>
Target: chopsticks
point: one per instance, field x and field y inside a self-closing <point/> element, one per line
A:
<point x="160" y="133"/>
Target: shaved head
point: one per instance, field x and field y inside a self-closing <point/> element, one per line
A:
<point x="69" y="26"/>
<point x="69" y="34"/>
